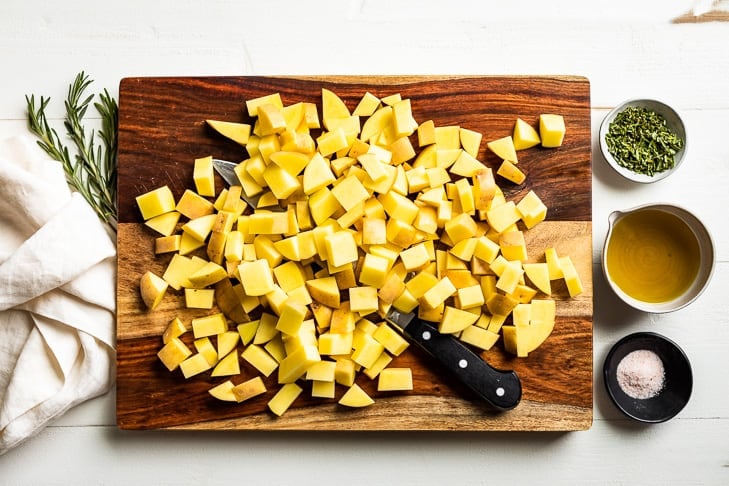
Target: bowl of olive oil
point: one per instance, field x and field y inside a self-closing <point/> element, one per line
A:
<point x="657" y="257"/>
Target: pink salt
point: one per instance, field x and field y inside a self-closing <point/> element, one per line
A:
<point x="641" y="374"/>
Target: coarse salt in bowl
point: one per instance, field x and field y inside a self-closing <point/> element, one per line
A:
<point x="648" y="377"/>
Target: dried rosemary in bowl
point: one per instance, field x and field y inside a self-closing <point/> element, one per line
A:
<point x="641" y="141"/>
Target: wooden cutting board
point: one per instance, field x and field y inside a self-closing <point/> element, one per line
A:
<point x="161" y="132"/>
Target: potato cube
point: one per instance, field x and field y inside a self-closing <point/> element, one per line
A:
<point x="173" y="353"/>
<point x="331" y="142"/>
<point x="208" y="274"/>
<point x="249" y="389"/>
<point x="469" y="297"/>
<point x="156" y="202"/>
<point x="395" y="379"/>
<point x="199" y="298"/>
<point x="192" y="205"/>
<point x="194" y="365"/>
<point x="335" y="343"/>
<point x="211" y="325"/>
<point x="363" y="299"/>
<point x="367" y="105"/>
<point x="461" y="227"/>
<point x="366" y="354"/>
<point x="259" y="358"/>
<point x="503" y="216"/>
<point x="513" y="245"/>
<point x="374" y="270"/>
<point x="252" y="105"/>
<point x="390" y="339"/>
<point x="531" y="209"/>
<point x="323" y="389"/>
<point x="553" y="263"/>
<point x="291" y="317"/>
<point x="167" y="244"/>
<point x="455" y="320"/>
<point x="293" y="366"/>
<point x="382" y="362"/>
<point x="511" y="172"/>
<point x="538" y="274"/>
<point x="284" y="398"/>
<point x="438" y="294"/>
<point x="317" y="174"/>
<point x="256" y="277"/>
<point x="571" y="277"/>
<point x="426" y="133"/>
<point x="203" y="176"/>
<point x="479" y="337"/>
<point x="345" y="371"/>
<point x="510" y="278"/>
<point x="341" y="248"/>
<point x="322" y="371"/>
<point x="551" y="130"/>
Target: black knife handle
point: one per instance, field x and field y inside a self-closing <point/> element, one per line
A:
<point x="501" y="389"/>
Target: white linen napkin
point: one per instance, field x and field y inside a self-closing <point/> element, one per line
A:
<point x="57" y="294"/>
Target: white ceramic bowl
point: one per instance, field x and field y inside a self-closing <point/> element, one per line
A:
<point x="673" y="122"/>
<point x="706" y="263"/>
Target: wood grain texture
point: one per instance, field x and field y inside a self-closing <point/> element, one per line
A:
<point x="161" y="132"/>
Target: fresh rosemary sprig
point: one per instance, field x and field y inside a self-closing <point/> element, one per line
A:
<point x="91" y="171"/>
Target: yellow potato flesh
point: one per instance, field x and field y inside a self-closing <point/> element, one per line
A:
<point x="363" y="208"/>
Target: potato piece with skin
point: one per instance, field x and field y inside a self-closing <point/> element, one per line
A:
<point x="173" y="353"/>
<point x="511" y="172"/>
<point x="153" y="289"/>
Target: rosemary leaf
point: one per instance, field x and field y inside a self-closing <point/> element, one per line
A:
<point x="91" y="168"/>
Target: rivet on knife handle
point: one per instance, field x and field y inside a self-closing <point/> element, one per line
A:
<point x="501" y="389"/>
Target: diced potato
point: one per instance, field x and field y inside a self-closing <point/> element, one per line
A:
<point x="284" y="398"/>
<point x="192" y="205"/>
<point x="199" y="298"/>
<point x="571" y="277"/>
<point x="395" y="379"/>
<point x="504" y="148"/>
<point x="509" y="171"/>
<point x="455" y="320"/>
<point x="194" y="365"/>
<point x="223" y="391"/>
<point x="479" y="337"/>
<point x="238" y="132"/>
<point x="249" y="389"/>
<point x="173" y="353"/>
<point x="551" y="130"/>
<point x="228" y="366"/>
<point x="165" y="223"/>
<point x="525" y="136"/>
<point x="203" y="176"/>
<point x="356" y="397"/>
<point x="256" y="277"/>
<point x="153" y="289"/>
<point x="259" y="358"/>
<point x="156" y="202"/>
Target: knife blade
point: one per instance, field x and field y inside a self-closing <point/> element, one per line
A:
<point x="499" y="388"/>
<point x="226" y="169"/>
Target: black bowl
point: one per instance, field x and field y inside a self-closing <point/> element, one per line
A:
<point x="677" y="385"/>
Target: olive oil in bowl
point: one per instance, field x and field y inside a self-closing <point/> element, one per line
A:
<point x="657" y="258"/>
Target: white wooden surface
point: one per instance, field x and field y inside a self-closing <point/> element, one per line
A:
<point x="626" y="48"/>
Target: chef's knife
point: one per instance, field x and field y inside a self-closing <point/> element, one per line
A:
<point x="501" y="389"/>
<point x="226" y="169"/>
